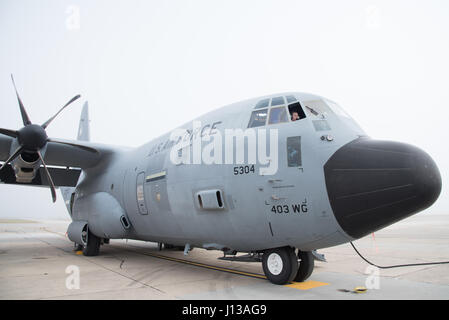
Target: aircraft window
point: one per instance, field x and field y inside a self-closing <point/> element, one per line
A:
<point x="258" y="118"/>
<point x="262" y="104"/>
<point x="157" y="176"/>
<point x="277" y="101"/>
<point x="313" y="111"/>
<point x="124" y="222"/>
<point x="278" y="115"/>
<point x="294" y="152"/>
<point x="317" y="108"/>
<point x="290" y="99"/>
<point x="140" y="194"/>
<point x="337" y="109"/>
<point x="295" y="108"/>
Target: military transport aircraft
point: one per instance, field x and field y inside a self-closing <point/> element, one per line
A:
<point x="323" y="183"/>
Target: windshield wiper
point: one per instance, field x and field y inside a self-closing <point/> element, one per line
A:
<point x="312" y="111"/>
<point x="316" y="113"/>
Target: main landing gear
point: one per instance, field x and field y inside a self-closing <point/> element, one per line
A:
<point x="283" y="265"/>
<point x="91" y="246"/>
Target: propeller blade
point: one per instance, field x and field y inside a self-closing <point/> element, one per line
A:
<point x="10" y="133"/>
<point x="50" y="181"/>
<point x="45" y="125"/>
<point x="12" y="157"/>
<point x="85" y="148"/>
<point x="25" y="118"/>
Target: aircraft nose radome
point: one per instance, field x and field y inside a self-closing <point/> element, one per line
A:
<point x="372" y="184"/>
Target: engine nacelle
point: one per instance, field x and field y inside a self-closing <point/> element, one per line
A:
<point x="26" y="166"/>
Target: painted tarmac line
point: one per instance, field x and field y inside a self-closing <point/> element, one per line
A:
<point x="307" y="285"/>
<point x="201" y="265"/>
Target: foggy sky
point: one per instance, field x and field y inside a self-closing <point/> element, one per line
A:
<point x="147" y="67"/>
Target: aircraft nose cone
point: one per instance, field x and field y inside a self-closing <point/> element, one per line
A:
<point x="372" y="184"/>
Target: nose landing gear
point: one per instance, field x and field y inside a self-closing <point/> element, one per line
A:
<point x="306" y="265"/>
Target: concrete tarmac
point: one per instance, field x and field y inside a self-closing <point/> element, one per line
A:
<point x="37" y="261"/>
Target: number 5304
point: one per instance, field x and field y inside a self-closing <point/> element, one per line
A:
<point x="244" y="170"/>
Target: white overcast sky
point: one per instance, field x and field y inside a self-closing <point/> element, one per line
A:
<point x="147" y="67"/>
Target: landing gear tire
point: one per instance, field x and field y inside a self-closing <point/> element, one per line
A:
<point x="306" y="264"/>
<point x="280" y="265"/>
<point x="92" y="247"/>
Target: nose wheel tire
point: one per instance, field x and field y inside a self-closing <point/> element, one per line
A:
<point x="306" y="265"/>
<point x="280" y="265"/>
<point x="92" y="247"/>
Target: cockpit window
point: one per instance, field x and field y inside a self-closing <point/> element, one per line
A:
<point x="317" y="109"/>
<point x="337" y="109"/>
<point x="296" y="112"/>
<point x="262" y="104"/>
<point x="258" y="118"/>
<point x="290" y="99"/>
<point x="278" y="112"/>
<point x="277" y="101"/>
<point x="278" y="115"/>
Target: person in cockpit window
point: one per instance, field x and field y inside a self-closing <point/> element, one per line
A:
<point x="295" y="116"/>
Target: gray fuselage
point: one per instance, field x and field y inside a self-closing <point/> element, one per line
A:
<point x="225" y="206"/>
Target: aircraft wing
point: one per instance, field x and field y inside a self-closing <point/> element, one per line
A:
<point x="29" y="157"/>
<point x="71" y="155"/>
<point x="74" y="153"/>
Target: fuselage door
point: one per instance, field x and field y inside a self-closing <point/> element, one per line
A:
<point x="156" y="192"/>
